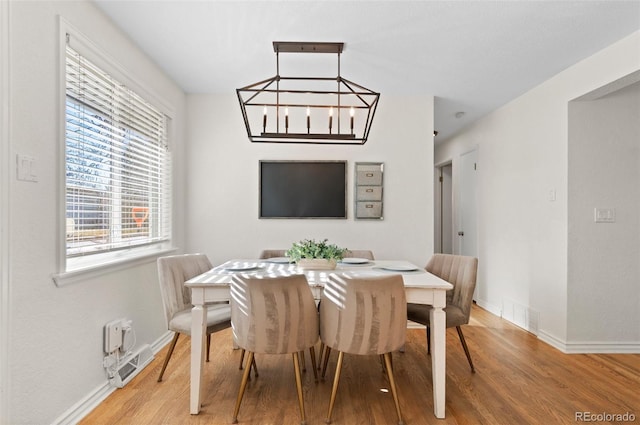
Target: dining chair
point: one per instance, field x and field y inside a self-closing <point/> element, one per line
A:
<point x="274" y="315"/>
<point x="173" y="272"/>
<point x="352" y="253"/>
<point x="461" y="271"/>
<point x="364" y="316"/>
<point x="360" y="253"/>
<point x="271" y="253"/>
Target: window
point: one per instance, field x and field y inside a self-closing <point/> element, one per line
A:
<point x="117" y="165"/>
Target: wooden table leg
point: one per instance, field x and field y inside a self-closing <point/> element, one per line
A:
<point x="438" y="359"/>
<point x="198" y="346"/>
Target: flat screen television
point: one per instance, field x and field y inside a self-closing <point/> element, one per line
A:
<point x="303" y="189"/>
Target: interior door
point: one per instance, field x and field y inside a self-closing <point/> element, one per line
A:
<point x="467" y="205"/>
<point x="445" y="209"/>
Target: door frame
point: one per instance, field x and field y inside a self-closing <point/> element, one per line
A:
<point x="5" y="167"/>
<point x="440" y="207"/>
<point x="459" y="203"/>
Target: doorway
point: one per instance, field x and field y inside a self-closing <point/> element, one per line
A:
<point x="467" y="209"/>
<point x="444" y="209"/>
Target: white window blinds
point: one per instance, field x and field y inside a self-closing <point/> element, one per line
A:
<point x="117" y="164"/>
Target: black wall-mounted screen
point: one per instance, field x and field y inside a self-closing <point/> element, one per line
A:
<point x="303" y="189"/>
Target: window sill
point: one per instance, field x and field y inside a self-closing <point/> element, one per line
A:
<point x="108" y="266"/>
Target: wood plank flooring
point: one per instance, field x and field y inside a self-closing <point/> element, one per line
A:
<point x="518" y="380"/>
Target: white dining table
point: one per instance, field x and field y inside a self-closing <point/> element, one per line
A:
<point x="421" y="287"/>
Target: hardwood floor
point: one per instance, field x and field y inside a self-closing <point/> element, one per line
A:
<point x="518" y="380"/>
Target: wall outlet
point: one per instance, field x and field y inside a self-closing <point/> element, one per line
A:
<point x="113" y="336"/>
<point x="604" y="215"/>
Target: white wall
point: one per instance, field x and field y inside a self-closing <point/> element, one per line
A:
<point x="4" y="213"/>
<point x="604" y="172"/>
<point x="523" y="157"/>
<point x="222" y="183"/>
<point x="55" y="342"/>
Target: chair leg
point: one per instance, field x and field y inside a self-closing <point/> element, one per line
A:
<point x="312" y="353"/>
<point x="327" y="353"/>
<point x="392" y="384"/>
<point x="428" y="340"/>
<point x="253" y="363"/>
<point x="296" y="367"/>
<point x="243" y="386"/>
<point x="320" y="355"/>
<point x="301" y="359"/>
<point x="382" y="367"/>
<point x="255" y="367"/>
<point x="176" y="335"/>
<point x="334" y="390"/>
<point x="241" y="358"/>
<point x="466" y="349"/>
<point x="208" y="345"/>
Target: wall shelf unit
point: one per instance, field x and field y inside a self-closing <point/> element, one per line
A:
<point x="368" y="190"/>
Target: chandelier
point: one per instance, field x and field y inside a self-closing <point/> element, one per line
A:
<point x="320" y="110"/>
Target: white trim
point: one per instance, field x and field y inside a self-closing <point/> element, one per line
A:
<point x="493" y="309"/>
<point x="64" y="274"/>
<point x="80" y="275"/>
<point x="603" y="347"/>
<point x="84" y="406"/>
<point x="552" y="340"/>
<point x="5" y="166"/>
<point x="590" y="347"/>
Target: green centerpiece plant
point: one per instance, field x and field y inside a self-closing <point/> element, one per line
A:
<point x="311" y="254"/>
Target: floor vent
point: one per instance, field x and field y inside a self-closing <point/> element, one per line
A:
<point x="131" y="366"/>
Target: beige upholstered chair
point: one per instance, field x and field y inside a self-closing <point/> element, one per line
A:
<point x="359" y="253"/>
<point x="365" y="316"/>
<point x="274" y="315"/>
<point x="461" y="272"/>
<point x="173" y="272"/>
<point x="353" y="253"/>
<point x="271" y="253"/>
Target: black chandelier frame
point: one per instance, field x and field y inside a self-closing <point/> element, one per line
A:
<point x="352" y="103"/>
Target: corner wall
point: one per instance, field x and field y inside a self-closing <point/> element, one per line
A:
<point x="523" y="191"/>
<point x="604" y="172"/>
<point x="55" y="342"/>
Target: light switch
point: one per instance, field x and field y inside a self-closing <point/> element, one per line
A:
<point x="605" y="215"/>
<point x="26" y="168"/>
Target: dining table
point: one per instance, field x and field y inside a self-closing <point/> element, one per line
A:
<point x="421" y="287"/>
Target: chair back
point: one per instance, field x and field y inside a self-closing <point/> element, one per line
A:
<point x="173" y="272"/>
<point x="460" y="271"/>
<point x="359" y="253"/>
<point x="273" y="315"/>
<point x="271" y="253"/>
<point x="364" y="315"/>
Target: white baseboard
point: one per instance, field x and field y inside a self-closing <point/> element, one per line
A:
<point x="493" y="309"/>
<point x="552" y="340"/>
<point x="590" y="347"/>
<point x="83" y="407"/>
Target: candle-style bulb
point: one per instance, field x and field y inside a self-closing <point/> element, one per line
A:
<point x="330" y="119"/>
<point x="351" y="113"/>
<point x="308" y="119"/>
<point x="286" y="119"/>
<point x="264" y="119"/>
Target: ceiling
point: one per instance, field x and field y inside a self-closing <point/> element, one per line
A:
<point x="473" y="56"/>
